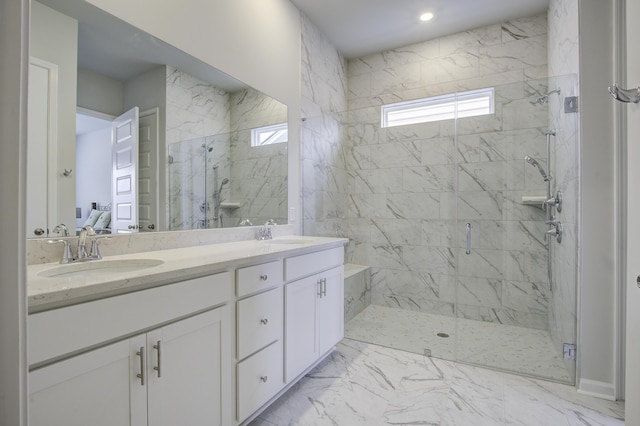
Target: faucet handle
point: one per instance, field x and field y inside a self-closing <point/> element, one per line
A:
<point x="95" y="249"/>
<point x="67" y="256"/>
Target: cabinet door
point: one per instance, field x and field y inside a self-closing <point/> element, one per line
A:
<point x="187" y="382"/>
<point x="331" y="309"/>
<point x="97" y="388"/>
<point x="301" y="341"/>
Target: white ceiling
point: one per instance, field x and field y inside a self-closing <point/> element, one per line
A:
<point x="361" y="27"/>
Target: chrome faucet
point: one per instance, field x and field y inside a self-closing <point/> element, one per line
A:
<point x="61" y="228"/>
<point x="83" y="256"/>
<point x="86" y="230"/>
<point x="264" y="232"/>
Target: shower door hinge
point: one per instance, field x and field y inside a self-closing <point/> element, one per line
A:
<point x="569" y="351"/>
<point x="570" y="104"/>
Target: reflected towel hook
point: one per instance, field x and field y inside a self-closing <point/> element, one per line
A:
<point x="625" y="95"/>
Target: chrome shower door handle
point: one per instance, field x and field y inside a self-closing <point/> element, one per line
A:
<point x="468" y="251"/>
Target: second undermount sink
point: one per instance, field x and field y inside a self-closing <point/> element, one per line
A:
<point x="99" y="267"/>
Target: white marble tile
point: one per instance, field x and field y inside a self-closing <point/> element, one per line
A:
<point x="365" y="384"/>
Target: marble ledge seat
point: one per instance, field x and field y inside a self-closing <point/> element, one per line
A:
<point x="357" y="289"/>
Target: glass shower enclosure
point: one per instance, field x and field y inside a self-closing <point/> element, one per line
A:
<point x="470" y="227"/>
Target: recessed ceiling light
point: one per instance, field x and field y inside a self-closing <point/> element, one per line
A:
<point x="426" y="17"/>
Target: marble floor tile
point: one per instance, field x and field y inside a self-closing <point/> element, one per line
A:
<point x="505" y="347"/>
<point x="366" y="384"/>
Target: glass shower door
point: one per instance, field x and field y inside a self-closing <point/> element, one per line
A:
<point x="503" y="295"/>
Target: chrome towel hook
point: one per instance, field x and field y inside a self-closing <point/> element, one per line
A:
<point x="625" y="95"/>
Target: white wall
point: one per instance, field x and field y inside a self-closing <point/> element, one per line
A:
<point x="14" y="41"/>
<point x="93" y="170"/>
<point x="53" y="34"/>
<point x="597" y="289"/>
<point x="99" y="93"/>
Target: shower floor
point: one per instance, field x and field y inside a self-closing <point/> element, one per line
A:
<point x="514" y="349"/>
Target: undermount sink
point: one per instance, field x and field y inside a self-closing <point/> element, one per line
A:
<point x="99" y="267"/>
<point x="289" y="241"/>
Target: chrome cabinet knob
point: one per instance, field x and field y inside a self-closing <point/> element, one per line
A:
<point x="264" y="321"/>
<point x="264" y="379"/>
<point x="38" y="231"/>
<point x="264" y="277"/>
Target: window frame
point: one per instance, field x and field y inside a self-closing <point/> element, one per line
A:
<point x="443" y="107"/>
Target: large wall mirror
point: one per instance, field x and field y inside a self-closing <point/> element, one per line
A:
<point x="129" y="134"/>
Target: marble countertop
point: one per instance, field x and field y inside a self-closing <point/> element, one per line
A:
<point x="46" y="293"/>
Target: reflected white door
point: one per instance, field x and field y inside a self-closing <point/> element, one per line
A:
<point x="41" y="147"/>
<point x="124" y="181"/>
<point x="148" y="171"/>
<point x="632" y="366"/>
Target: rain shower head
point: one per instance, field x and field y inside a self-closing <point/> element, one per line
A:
<point x="537" y="165"/>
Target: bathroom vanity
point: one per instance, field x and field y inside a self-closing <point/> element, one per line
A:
<point x="198" y="335"/>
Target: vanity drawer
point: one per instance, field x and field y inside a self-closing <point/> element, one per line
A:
<point x="311" y="263"/>
<point x="260" y="377"/>
<point x="259" y="321"/>
<point x="58" y="332"/>
<point x="258" y="277"/>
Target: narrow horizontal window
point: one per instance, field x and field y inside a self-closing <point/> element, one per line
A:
<point x="445" y="107"/>
<point x="267" y="135"/>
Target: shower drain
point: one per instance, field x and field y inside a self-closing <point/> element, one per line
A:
<point x="445" y="335"/>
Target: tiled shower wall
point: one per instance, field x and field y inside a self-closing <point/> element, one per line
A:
<point x="195" y="109"/>
<point x="398" y="184"/>
<point x="258" y="180"/>
<point x="402" y="180"/>
<point x="324" y="98"/>
<point x="208" y="127"/>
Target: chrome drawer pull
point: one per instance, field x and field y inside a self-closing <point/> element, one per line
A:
<point x="157" y="347"/>
<point x="264" y="379"/>
<point x="264" y="321"/>
<point x="264" y="277"/>
<point x="140" y="376"/>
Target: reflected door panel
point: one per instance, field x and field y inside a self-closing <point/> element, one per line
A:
<point x="124" y="139"/>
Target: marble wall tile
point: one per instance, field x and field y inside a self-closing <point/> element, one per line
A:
<point x="469" y="40"/>
<point x="450" y="68"/>
<point x="518" y="29"/>
<point x="476" y="291"/>
<point x="400" y="182"/>
<point x="396" y="79"/>
<point x="519" y="54"/>
<point x="412" y="206"/>
<point x="428" y="179"/>
<point x="396" y="231"/>
<point x="389" y="58"/>
<point x="525" y="296"/>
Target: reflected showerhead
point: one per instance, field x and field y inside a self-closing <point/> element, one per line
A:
<point x="222" y="184"/>
<point x="537" y="165"/>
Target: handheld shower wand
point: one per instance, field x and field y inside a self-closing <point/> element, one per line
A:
<point x="537" y="165"/>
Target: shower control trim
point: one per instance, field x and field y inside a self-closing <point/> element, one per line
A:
<point x="555" y="201"/>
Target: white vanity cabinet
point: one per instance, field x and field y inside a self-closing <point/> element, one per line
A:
<point x="259" y="371"/>
<point x="169" y="375"/>
<point x="314" y="309"/>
